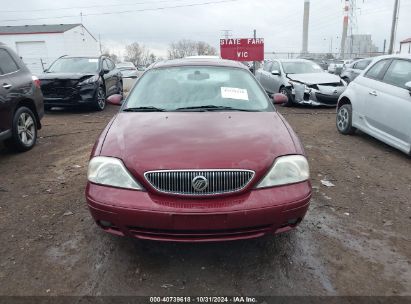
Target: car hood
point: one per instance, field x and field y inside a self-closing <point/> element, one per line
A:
<point x="314" y="78"/>
<point x="63" y="76"/>
<point x="198" y="140"/>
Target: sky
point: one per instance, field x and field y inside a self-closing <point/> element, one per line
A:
<point x="151" y="23"/>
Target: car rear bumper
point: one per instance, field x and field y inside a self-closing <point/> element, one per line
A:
<point x="143" y="215"/>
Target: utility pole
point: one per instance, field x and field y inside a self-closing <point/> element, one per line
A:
<point x="306" y="20"/>
<point x="393" y="27"/>
<point x="254" y="63"/>
<point x="99" y="40"/>
<point x="227" y="33"/>
<point x="385" y="44"/>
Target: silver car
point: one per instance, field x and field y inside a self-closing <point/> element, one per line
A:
<point x="351" y="71"/>
<point x="378" y="102"/>
<point x="303" y="81"/>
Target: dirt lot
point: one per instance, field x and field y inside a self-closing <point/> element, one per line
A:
<point x="355" y="239"/>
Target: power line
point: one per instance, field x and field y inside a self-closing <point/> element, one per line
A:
<point x="90" y="6"/>
<point x="126" y="11"/>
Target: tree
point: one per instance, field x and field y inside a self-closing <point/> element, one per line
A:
<point x="153" y="58"/>
<point x="181" y="49"/>
<point x="185" y="47"/>
<point x="203" y="48"/>
<point x="112" y="56"/>
<point x="137" y="54"/>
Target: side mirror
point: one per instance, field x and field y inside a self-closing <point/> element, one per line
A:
<point x="275" y="72"/>
<point x="115" y="100"/>
<point x="408" y="86"/>
<point x="279" y="98"/>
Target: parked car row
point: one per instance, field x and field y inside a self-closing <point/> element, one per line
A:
<point x="21" y="102"/>
<point x="302" y="81"/>
<point x="377" y="100"/>
<point x="77" y="81"/>
<point x="129" y="73"/>
<point x="69" y="81"/>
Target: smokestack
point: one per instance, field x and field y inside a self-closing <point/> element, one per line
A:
<point x="345" y="28"/>
<point x="305" y="26"/>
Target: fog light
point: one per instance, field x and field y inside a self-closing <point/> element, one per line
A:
<point x="105" y="224"/>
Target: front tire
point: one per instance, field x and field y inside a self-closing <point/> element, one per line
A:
<point x="100" y="102"/>
<point x="287" y="93"/>
<point x="24" y="130"/>
<point x="344" y="120"/>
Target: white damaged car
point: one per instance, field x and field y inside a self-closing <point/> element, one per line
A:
<point x="303" y="81"/>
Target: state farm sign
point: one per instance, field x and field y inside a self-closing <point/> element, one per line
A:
<point x="247" y="49"/>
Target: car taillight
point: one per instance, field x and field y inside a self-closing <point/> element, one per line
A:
<point x="36" y="81"/>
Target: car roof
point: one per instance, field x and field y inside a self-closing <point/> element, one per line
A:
<point x="401" y="56"/>
<point x="209" y="61"/>
<point x="293" y="60"/>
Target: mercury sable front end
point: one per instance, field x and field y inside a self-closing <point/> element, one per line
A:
<point x="198" y="153"/>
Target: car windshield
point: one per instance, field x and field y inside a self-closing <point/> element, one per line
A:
<point x="198" y="89"/>
<point x="301" y="67"/>
<point x="74" y="65"/>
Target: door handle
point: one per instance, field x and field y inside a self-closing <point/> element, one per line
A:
<point x="373" y="93"/>
<point x="7" y="85"/>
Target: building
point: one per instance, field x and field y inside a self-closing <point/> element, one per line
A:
<point x="40" y="45"/>
<point x="360" y="46"/>
<point x="405" y="46"/>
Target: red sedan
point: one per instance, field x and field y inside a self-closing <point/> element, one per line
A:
<point x="198" y="153"/>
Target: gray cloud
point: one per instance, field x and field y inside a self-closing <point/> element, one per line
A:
<point x="278" y="21"/>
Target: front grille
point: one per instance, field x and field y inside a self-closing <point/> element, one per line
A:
<point x="217" y="181"/>
<point x="58" y="92"/>
<point x="58" y="87"/>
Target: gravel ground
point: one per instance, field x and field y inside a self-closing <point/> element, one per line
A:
<point x="355" y="240"/>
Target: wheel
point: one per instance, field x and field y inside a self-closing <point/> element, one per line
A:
<point x="24" y="130"/>
<point x="287" y="93"/>
<point x="344" y="120"/>
<point x="346" y="79"/>
<point x="100" y="102"/>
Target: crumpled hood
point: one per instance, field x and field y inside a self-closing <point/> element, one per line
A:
<point x="64" y="76"/>
<point x="315" y="78"/>
<point x="197" y="140"/>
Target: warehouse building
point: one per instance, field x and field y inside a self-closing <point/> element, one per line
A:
<point x="40" y="45"/>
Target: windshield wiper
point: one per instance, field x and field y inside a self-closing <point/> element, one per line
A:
<point x="213" y="108"/>
<point x="143" y="109"/>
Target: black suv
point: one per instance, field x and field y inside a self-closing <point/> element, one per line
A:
<point x="21" y="102"/>
<point x="74" y="81"/>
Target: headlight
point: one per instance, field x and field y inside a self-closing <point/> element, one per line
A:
<point x="286" y="170"/>
<point x="90" y="80"/>
<point x="110" y="171"/>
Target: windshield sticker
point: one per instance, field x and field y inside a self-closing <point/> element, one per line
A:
<point x="234" y="93"/>
<point x="93" y="60"/>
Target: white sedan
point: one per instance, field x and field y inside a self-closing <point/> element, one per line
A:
<point x="378" y="102"/>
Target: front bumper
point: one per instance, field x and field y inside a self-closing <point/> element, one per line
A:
<point x="324" y="96"/>
<point x="145" y="215"/>
<point x="72" y="96"/>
